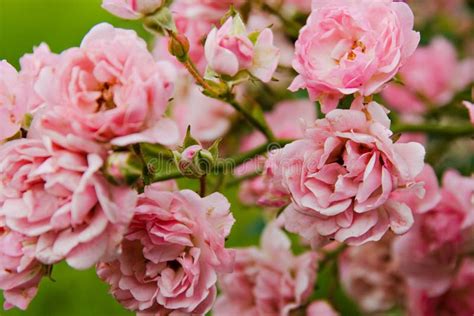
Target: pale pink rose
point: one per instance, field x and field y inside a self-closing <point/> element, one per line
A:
<point x="12" y="101"/>
<point x="352" y="46"/>
<point x="20" y="272"/>
<point x="31" y="67"/>
<point x="267" y="281"/>
<point x="428" y="255"/>
<point x="111" y="89"/>
<point x="431" y="77"/>
<point x="369" y="276"/>
<point x="342" y="174"/>
<point x="229" y="50"/>
<point x="60" y="197"/>
<point x="458" y="300"/>
<point x="132" y="9"/>
<point x="172" y="253"/>
<point x="287" y="120"/>
<point x="470" y="107"/>
<point x="321" y="308"/>
<point x="209" y="118"/>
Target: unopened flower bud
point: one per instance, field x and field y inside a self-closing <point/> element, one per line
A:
<point x="178" y="46"/>
<point x="123" y="168"/>
<point x="194" y="161"/>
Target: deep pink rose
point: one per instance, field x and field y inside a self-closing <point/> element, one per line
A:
<point x="287" y="120"/>
<point x="131" y="9"/>
<point x="342" y="174"/>
<point x="12" y="101"/>
<point x="31" y="67"/>
<point x="431" y="77"/>
<point x="267" y="281"/>
<point x="229" y="50"/>
<point x="60" y="197"/>
<point x="369" y="276"/>
<point x="111" y="89"/>
<point x="428" y="255"/>
<point x="20" y="272"/>
<point x="172" y="253"/>
<point x="458" y="300"/>
<point x="352" y="46"/>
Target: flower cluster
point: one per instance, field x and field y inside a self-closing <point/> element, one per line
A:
<point x="347" y="206"/>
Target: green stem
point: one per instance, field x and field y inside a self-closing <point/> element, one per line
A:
<point x="202" y="184"/>
<point x="229" y="164"/>
<point x="249" y="117"/>
<point x="436" y="129"/>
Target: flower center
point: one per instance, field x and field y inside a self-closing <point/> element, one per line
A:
<point x="106" y="100"/>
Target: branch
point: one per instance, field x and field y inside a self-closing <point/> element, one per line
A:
<point x="228" y="164"/>
<point x="461" y="130"/>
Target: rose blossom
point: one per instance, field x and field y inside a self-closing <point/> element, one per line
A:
<point x="369" y="276"/>
<point x="60" y="197"/>
<point x="110" y="89"/>
<point x="172" y="253"/>
<point x="457" y="300"/>
<point x="352" y="46"/>
<point x="287" y="120"/>
<point x="229" y="50"/>
<point x="31" y="67"/>
<point x="131" y="9"/>
<point x="428" y="255"/>
<point x="342" y="174"/>
<point x="12" y="101"/>
<point x="20" y="272"/>
<point x="267" y="281"/>
<point x="431" y="77"/>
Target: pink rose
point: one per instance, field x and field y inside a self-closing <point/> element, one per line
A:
<point x="458" y="300"/>
<point x="229" y="50"/>
<point x="287" y="121"/>
<point x="131" y="9"/>
<point x="369" y="276"/>
<point x="267" y="281"/>
<point x="352" y="46"/>
<point x="342" y="174"/>
<point x="60" y="197"/>
<point x="172" y="253"/>
<point x="320" y="308"/>
<point x="12" y="101"/>
<point x="209" y="118"/>
<point x="431" y="77"/>
<point x="111" y="89"/>
<point x="428" y="255"/>
<point x="31" y="67"/>
<point x="20" y="272"/>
